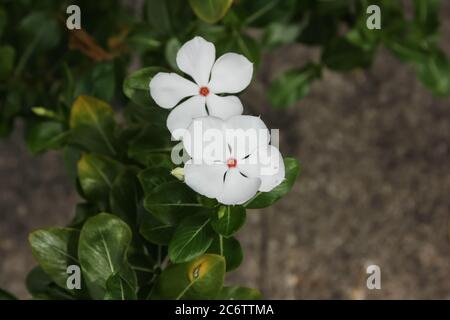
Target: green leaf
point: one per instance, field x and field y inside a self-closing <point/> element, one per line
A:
<point x="102" y="250"/>
<point x="201" y="278"/>
<point x="7" y="58"/>
<point x="40" y="31"/>
<point x="171" y="202"/>
<point x="41" y="286"/>
<point x="152" y="147"/>
<point x="153" y="177"/>
<point x="293" y="85"/>
<point x="157" y="14"/>
<point x="83" y="211"/>
<point x="5" y="295"/>
<point x="96" y="174"/>
<point x="405" y="43"/>
<point x="342" y="55"/>
<point x="71" y="155"/>
<point x="249" y="47"/>
<point x="230" y="248"/>
<point x="119" y="287"/>
<point x="191" y="239"/>
<point x="155" y="231"/>
<point x="239" y="293"/>
<point x="265" y="199"/>
<point x="426" y="15"/>
<point x="434" y="73"/>
<point x="3" y="20"/>
<point x="228" y="220"/>
<point x="93" y="126"/>
<point x="168" y="17"/>
<point x="55" y="249"/>
<point x="278" y="34"/>
<point x="44" y="135"/>
<point x="210" y="11"/>
<point x="126" y="196"/>
<point x="99" y="81"/>
<point x="136" y="85"/>
<point x="172" y="47"/>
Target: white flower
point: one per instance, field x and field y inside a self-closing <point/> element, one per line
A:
<point x="227" y="162"/>
<point x="231" y="73"/>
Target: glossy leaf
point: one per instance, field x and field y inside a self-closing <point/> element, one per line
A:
<point x="126" y="196"/>
<point x="265" y="199"/>
<point x="155" y="231"/>
<point x="228" y="220"/>
<point x="43" y="135"/>
<point x="55" y="249"/>
<point x="230" y="249"/>
<point x="171" y="202"/>
<point x="136" y="85"/>
<point x="153" y="177"/>
<point x="92" y="125"/>
<point x="191" y="239"/>
<point x="96" y="174"/>
<point x="121" y="286"/>
<point x="152" y="147"/>
<point x="103" y="245"/>
<point x="201" y="278"/>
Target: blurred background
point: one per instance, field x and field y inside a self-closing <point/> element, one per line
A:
<point x="374" y="188"/>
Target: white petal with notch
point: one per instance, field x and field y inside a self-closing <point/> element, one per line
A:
<point x="196" y="58"/>
<point x="167" y="89"/>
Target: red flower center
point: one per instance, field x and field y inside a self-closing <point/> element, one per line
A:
<point x="231" y="163"/>
<point x="204" y="91"/>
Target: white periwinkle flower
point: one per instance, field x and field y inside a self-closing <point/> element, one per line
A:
<point x="231" y="160"/>
<point x="231" y="73"/>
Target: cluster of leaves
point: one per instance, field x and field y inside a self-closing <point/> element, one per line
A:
<point x="141" y="232"/>
<point x="42" y="63"/>
<point x="339" y="29"/>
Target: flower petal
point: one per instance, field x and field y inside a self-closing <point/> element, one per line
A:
<point x="204" y="140"/>
<point x="238" y="189"/>
<point x="167" y="89"/>
<point x="205" y="179"/>
<point x="196" y="58"/>
<point x="181" y="116"/>
<point x="245" y="134"/>
<point x="272" y="171"/>
<point x="223" y="107"/>
<point x="231" y="73"/>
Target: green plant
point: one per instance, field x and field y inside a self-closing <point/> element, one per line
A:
<point x="140" y="232"/>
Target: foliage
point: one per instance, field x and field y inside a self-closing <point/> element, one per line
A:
<point x="140" y="233"/>
<point x="54" y="69"/>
